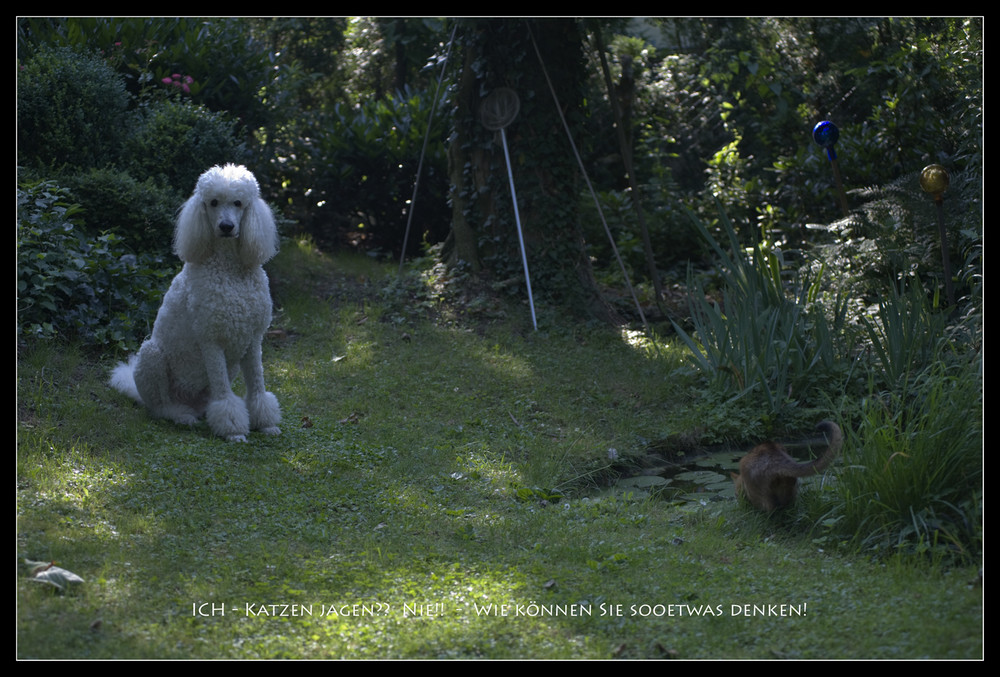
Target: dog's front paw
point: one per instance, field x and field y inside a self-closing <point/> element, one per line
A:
<point x="265" y="414"/>
<point x="228" y="418"/>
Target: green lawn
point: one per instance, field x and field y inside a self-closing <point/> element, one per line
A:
<point x="437" y="492"/>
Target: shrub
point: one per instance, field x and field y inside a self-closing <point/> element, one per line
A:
<point x="71" y="110"/>
<point x="366" y="161"/>
<point x="140" y="213"/>
<point x="893" y="238"/>
<point x="174" y="141"/>
<point x="76" y="287"/>
<point x="222" y="61"/>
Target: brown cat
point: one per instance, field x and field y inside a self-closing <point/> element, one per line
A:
<point x="769" y="477"/>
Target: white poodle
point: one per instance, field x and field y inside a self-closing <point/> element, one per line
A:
<point x="214" y="315"/>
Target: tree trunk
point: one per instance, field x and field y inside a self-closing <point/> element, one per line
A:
<point x="500" y="53"/>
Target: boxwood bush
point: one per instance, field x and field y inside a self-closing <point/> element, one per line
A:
<point x="173" y="141"/>
<point x="139" y="212"/>
<point x="71" y="110"/>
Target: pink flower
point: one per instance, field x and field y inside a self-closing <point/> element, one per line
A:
<point x="184" y="82"/>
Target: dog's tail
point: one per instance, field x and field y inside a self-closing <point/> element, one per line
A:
<point x="123" y="379"/>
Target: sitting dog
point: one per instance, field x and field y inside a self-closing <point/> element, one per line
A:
<point x="213" y="318"/>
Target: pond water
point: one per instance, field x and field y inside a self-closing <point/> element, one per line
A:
<point x="700" y="479"/>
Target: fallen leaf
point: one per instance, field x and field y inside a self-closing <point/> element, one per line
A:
<point x="56" y="576"/>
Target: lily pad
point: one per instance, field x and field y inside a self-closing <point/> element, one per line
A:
<point x="643" y="482"/>
<point x="700" y="477"/>
<point x="723" y="461"/>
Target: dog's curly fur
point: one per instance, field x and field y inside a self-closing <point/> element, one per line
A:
<point x="214" y="315"/>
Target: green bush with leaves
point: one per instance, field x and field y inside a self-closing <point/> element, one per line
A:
<point x="892" y="238"/>
<point x="173" y="141"/>
<point x="78" y="287"/>
<point x="141" y="213"/>
<point x="369" y="162"/>
<point x="71" y="110"/>
<point x="230" y="59"/>
<point x="742" y="99"/>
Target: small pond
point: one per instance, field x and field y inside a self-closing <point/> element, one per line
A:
<point x="690" y="476"/>
<point x="699" y="479"/>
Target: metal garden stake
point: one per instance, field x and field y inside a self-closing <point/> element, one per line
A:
<point x="934" y="180"/>
<point x="497" y="111"/>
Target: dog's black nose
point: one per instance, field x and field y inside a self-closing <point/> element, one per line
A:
<point x="226" y="227"/>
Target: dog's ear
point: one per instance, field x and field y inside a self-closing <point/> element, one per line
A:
<point x="258" y="234"/>
<point x="193" y="235"/>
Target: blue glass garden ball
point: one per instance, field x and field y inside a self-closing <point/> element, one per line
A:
<point x="826" y="134"/>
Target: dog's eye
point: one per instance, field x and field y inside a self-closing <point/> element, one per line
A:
<point x="214" y="203"/>
<point x="238" y="203"/>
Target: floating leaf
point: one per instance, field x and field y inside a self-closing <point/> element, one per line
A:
<point x="643" y="482"/>
<point x="722" y="487"/>
<point x="700" y="477"/>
